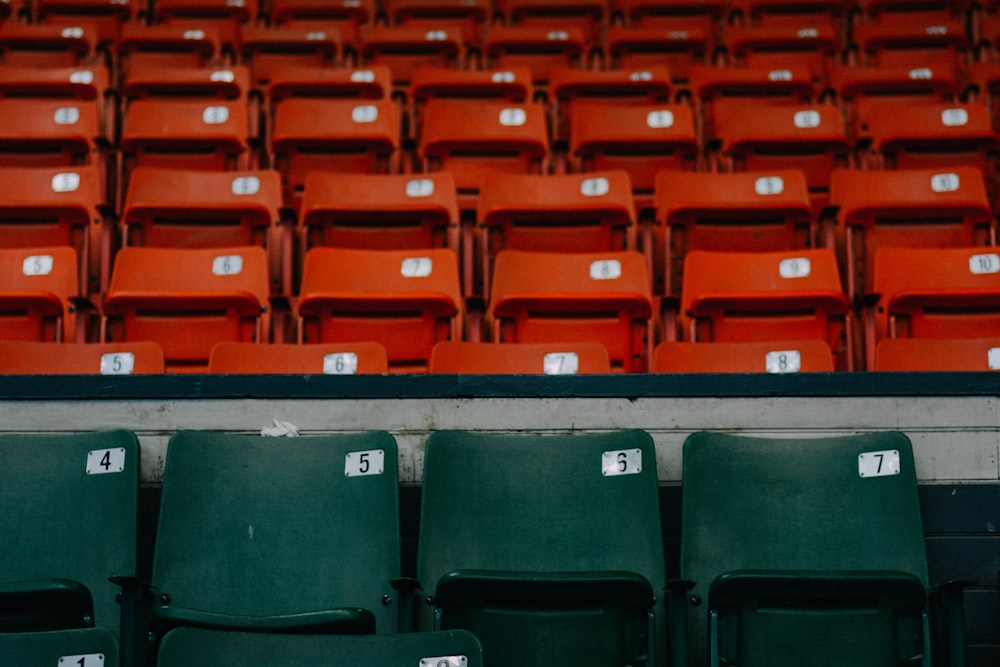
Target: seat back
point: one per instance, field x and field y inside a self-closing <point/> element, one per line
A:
<point x="58" y="490"/>
<point x="526" y="542"/>
<point x="328" y="359"/>
<point x="560" y="298"/>
<point x="407" y="300"/>
<point x="677" y="45"/>
<point x="266" y="534"/>
<point x="49" y="133"/>
<point x="404" y="48"/>
<point x="937" y="354"/>
<point x="187" y="300"/>
<point x="787" y="560"/>
<point x="32" y="358"/>
<point x="47" y="45"/>
<point x="797" y="356"/>
<point x="266" y="49"/>
<point x="39" y="285"/>
<point x="166" y="46"/>
<point x="519" y="358"/>
<point x="89" y="647"/>
<point x="540" y="48"/>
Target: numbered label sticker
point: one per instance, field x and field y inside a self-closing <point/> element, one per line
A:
<point x="436" y="36"/>
<point x="985" y="263"/>
<point x="783" y="361"/>
<point x="366" y="113"/>
<point x="797" y="267"/>
<point x="945" y="182"/>
<point x="806" y="120"/>
<point x="445" y="661"/>
<point x="117" y="363"/>
<point x="67" y="181"/>
<point x="769" y="185"/>
<point x="222" y="76"/>
<point x="993" y="358"/>
<point x="194" y="34"/>
<point x="83" y="77"/>
<point x="235" y="3"/>
<point x="627" y="462"/>
<point x="937" y="30"/>
<point x="606" y="269"/>
<point x="677" y="34"/>
<point x="557" y="36"/>
<point x="341" y="363"/>
<point x="245" y="185"/>
<point x="363" y="76"/>
<point x="37" y="265"/>
<point x="227" y="265"/>
<point x="105" y="461"/>
<point x="215" y="115"/>
<point x="352" y="3"/>
<point x="878" y="464"/>
<point x="416" y="267"/>
<point x="66" y="116"/>
<point x="779" y="75"/>
<point x="808" y="33"/>
<point x="72" y="32"/>
<point x="640" y="76"/>
<point x="513" y="117"/>
<point x="420" y="187"/>
<point x="88" y="660"/>
<point x="954" y="117"/>
<point x="502" y="77"/>
<point x="660" y="119"/>
<point x="594" y="187"/>
<point x="360" y="464"/>
<point x="561" y="363"/>
<point x="318" y="36"/>
<point x="921" y="74"/>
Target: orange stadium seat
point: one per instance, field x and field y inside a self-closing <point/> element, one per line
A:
<point x="467" y="17"/>
<point x="797" y="356"/>
<point x="983" y="85"/>
<point x="348" y="16"/>
<point x="407" y="300"/>
<point x="673" y="14"/>
<point x="815" y="46"/>
<point x="226" y="16"/>
<point x="167" y="46"/>
<point x="147" y="81"/>
<point x="323" y="358"/>
<point x="637" y="48"/>
<point x="909" y="12"/>
<point x="80" y="83"/>
<point x="40" y="45"/>
<point x="52" y="206"/>
<point x="938" y="354"/>
<point x="475" y="141"/>
<point x="575" y="297"/>
<point x="576" y="358"/>
<point x="38" y="294"/>
<point x="908" y="207"/>
<point x="740" y="212"/>
<point x="766" y="296"/>
<point x="187" y="300"/>
<point x="933" y="293"/>
<point x="33" y="358"/>
<point x="640" y="140"/>
<point x="47" y="132"/>
<point x="106" y="17"/>
<point x="265" y="48"/>
<point x="369" y="83"/>
<point x="562" y="213"/>
<point x="785" y="13"/>
<point x="404" y="48"/>
<point x="538" y="48"/>
<point x="354" y="136"/>
<point x="941" y="41"/>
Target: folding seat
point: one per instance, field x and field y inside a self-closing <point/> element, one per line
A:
<point x="404" y="48"/>
<point x="41" y="45"/>
<point x="785" y="559"/>
<point x="739" y="212"/>
<point x="815" y="46"/>
<point x="352" y="136"/>
<point x="590" y="212"/>
<point x="673" y="14"/>
<point x="328" y="359"/>
<point x="568" y="86"/>
<point x="575" y="297"/>
<point x="909" y="12"/>
<point x="78" y="83"/>
<point x="640" y="140"/>
<point x="638" y="48"/>
<point x="796" y="356"/>
<point x="89" y="647"/>
<point x="766" y="297"/>
<point x="50" y="133"/>
<point x="466" y="17"/>
<point x="939" y="43"/>
<point x="589" y="16"/>
<point x="933" y="293"/>
<point x="938" y="354"/>
<point x="407" y="300"/>
<point x="348" y="16"/>
<point x="791" y="13"/>
<point x="760" y="137"/>
<point x="370" y="83"/>
<point x="187" y="300"/>
<point x="476" y="141"/>
<point x="106" y="17"/>
<point x="39" y="290"/>
<point x="226" y="16"/>
<point x="538" y="48"/>
<point x="265" y="49"/>
<point x="176" y="208"/>
<point x="559" y="573"/>
<point x="519" y="358"/>
<point x="167" y="46"/>
<point x="168" y="84"/>
<point x="195" y="647"/>
<point x="254" y="535"/>
<point x="76" y="489"/>
<point x="33" y="358"/>
<point x="908" y="207"/>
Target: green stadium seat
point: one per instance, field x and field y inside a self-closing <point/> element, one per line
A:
<point x="195" y="647"/>
<point x="88" y="647"/>
<point x="295" y="535"/>
<point x="547" y="548"/>
<point x="803" y="551"/>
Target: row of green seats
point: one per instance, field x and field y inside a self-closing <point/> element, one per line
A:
<point x="532" y="550"/>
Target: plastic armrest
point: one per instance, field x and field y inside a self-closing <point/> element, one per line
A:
<point x="45" y="604"/>
<point x="613" y="589"/>
<point x="333" y="621"/>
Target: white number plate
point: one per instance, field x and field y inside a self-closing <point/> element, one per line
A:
<point x="227" y="265"/>
<point x="783" y="361"/>
<point x="878" y="464"/>
<point x="117" y="363"/>
<point x="88" y="660"/>
<point x="342" y="363"/>
<point x="606" y="269"/>
<point x="625" y="462"/>
<point x="445" y="661"/>
<point x="561" y="363"/>
<point x="103" y="461"/>
<point x="359" y="464"/>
